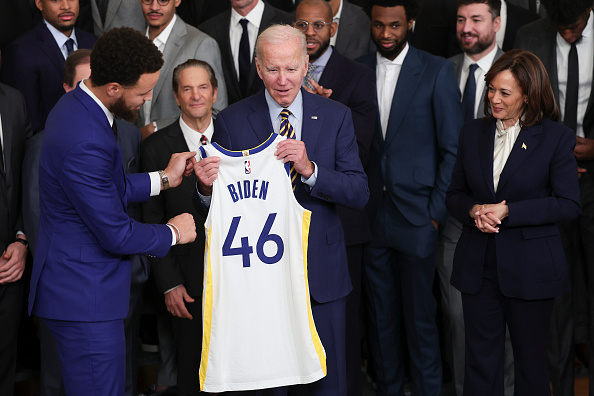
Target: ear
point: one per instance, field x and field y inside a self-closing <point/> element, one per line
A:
<point x="113" y="90"/>
<point x="497" y="24"/>
<point x="39" y="4"/>
<point x="258" y="68"/>
<point x="66" y="87"/>
<point x="176" y="99"/>
<point x="214" y="95"/>
<point x="333" y="28"/>
<point x="306" y="66"/>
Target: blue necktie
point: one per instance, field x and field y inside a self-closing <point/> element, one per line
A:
<point x="69" y="46"/>
<point x="469" y="94"/>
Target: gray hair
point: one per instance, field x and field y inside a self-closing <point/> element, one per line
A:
<point x="281" y="34"/>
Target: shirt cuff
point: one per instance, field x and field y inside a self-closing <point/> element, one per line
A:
<point x="173" y="236"/>
<point x="205" y="199"/>
<point x="155" y="183"/>
<point x="173" y="288"/>
<point x="20" y="233"/>
<point x="312" y="179"/>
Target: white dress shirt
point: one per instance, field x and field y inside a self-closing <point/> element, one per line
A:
<point x="504" y="143"/>
<point x="484" y="64"/>
<point x="193" y="137"/>
<point x="254" y="18"/>
<point x="500" y="35"/>
<point x="585" y="49"/>
<point x="61" y="38"/>
<point x="336" y="18"/>
<point x="387" y="73"/>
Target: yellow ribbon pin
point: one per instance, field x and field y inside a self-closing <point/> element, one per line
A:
<point x="524" y="146"/>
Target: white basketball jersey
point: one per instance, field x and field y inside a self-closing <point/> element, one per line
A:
<point x="258" y="330"/>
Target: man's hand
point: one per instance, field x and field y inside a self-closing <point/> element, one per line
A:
<point x="318" y="89"/>
<point x="186" y="226"/>
<point x="581" y="171"/>
<point x="207" y="170"/>
<point x="174" y="299"/>
<point x="147" y="130"/>
<point x="488" y="217"/>
<point x="584" y="149"/>
<point x="12" y="262"/>
<point x="294" y="151"/>
<point x="180" y="165"/>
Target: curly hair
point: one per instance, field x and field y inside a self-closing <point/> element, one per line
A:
<point x="566" y="12"/>
<point x="122" y="55"/>
<point x="411" y="7"/>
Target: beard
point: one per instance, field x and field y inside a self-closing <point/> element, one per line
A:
<point x="393" y="53"/>
<point x="323" y="47"/>
<point x="481" y="45"/>
<point x="121" y="109"/>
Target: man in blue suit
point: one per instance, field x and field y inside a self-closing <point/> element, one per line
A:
<point x="34" y="63"/>
<point x="80" y="284"/>
<point x="410" y="165"/>
<point x="325" y="156"/>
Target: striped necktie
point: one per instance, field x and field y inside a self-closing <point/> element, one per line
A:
<point x="286" y="129"/>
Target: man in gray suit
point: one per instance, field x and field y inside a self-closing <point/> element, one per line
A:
<point x="178" y="42"/>
<point x="109" y="14"/>
<point x="478" y="22"/>
<point x="568" y="33"/>
<point x="352" y="35"/>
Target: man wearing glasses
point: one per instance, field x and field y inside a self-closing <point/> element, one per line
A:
<point x="178" y="42"/>
<point x="332" y="75"/>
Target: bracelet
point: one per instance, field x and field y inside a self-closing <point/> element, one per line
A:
<point x="23" y="241"/>
<point x="176" y="231"/>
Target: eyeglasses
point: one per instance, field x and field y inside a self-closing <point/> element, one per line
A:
<point x="162" y="3"/>
<point x="317" y="25"/>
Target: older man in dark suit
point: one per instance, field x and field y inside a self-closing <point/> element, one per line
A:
<point x="237" y="40"/>
<point x="34" y="63"/>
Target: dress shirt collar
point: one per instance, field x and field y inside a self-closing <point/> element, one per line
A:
<point x="254" y="16"/>
<point x="397" y="61"/>
<point x="323" y="59"/>
<point x="500" y="35"/>
<point x="192" y="136"/>
<point x="484" y="63"/>
<point x="336" y="18"/>
<point x="108" y="113"/>
<point x="296" y="108"/>
<point x="162" y="38"/>
<point x="60" y="37"/>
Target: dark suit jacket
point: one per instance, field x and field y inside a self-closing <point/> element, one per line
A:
<point x="330" y="142"/>
<point x="15" y="129"/>
<point x="435" y="28"/>
<point x="353" y="85"/>
<point x="34" y="65"/>
<point x="540" y="37"/>
<point x="81" y="269"/>
<point x="218" y="28"/>
<point x="183" y="263"/>
<point x="415" y="161"/>
<point x="353" y="37"/>
<point x="540" y="186"/>
<point x="516" y="18"/>
<point x="195" y="12"/>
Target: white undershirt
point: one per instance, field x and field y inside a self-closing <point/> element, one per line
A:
<point x="484" y="64"/>
<point x="387" y="71"/>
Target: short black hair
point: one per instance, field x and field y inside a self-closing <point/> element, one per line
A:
<point x="411" y="7"/>
<point x="494" y="5"/>
<point x="78" y="57"/>
<point x="566" y="12"/>
<point x="122" y="55"/>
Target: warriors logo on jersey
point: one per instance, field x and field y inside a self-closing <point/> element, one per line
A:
<point x="258" y="328"/>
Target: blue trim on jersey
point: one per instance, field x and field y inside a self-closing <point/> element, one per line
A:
<point x="251" y="151"/>
<point x="202" y="152"/>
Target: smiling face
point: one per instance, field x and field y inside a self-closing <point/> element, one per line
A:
<point x="317" y="41"/>
<point x="389" y="27"/>
<point x="158" y="16"/>
<point x="476" y="29"/>
<point x="506" y="98"/>
<point x="282" y="67"/>
<point x="195" y="94"/>
<point x="61" y="14"/>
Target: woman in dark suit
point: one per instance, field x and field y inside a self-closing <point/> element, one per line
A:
<point x="515" y="177"/>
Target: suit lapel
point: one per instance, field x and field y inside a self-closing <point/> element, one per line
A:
<point x="311" y="123"/>
<point x="173" y="45"/>
<point x="7" y="134"/>
<point x="49" y="46"/>
<point x="177" y="142"/>
<point x="525" y="144"/>
<point x="111" y="11"/>
<point x="486" y="143"/>
<point x="259" y="119"/>
<point x="332" y="73"/>
<point x="408" y="79"/>
<point x="227" y="54"/>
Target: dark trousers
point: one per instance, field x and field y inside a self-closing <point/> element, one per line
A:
<point x="11" y="299"/>
<point x="353" y="322"/>
<point x="486" y="315"/>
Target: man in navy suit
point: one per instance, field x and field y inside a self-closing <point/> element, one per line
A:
<point x="352" y="84"/>
<point x="410" y="165"/>
<point x="34" y="63"/>
<point x="80" y="284"/>
<point x="324" y="154"/>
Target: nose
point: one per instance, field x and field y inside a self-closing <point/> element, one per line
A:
<point x="282" y="77"/>
<point x="310" y="30"/>
<point x="195" y="94"/>
<point x="64" y="5"/>
<point x="385" y="33"/>
<point x="466" y="26"/>
<point x="155" y="5"/>
<point x="149" y="95"/>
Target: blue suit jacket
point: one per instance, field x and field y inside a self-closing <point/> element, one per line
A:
<point x="81" y="271"/>
<point x="330" y="142"/>
<point x="540" y="186"/>
<point x="34" y="65"/>
<point x="414" y="163"/>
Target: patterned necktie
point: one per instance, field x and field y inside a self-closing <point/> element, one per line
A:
<point x="286" y="129"/>
<point x="203" y="140"/>
<point x="69" y="46"/>
<point x="309" y="75"/>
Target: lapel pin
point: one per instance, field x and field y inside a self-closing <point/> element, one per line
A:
<point x="524" y="146"/>
<point x="314" y="117"/>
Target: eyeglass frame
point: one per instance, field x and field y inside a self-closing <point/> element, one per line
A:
<point x="312" y="25"/>
<point x="162" y="3"/>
